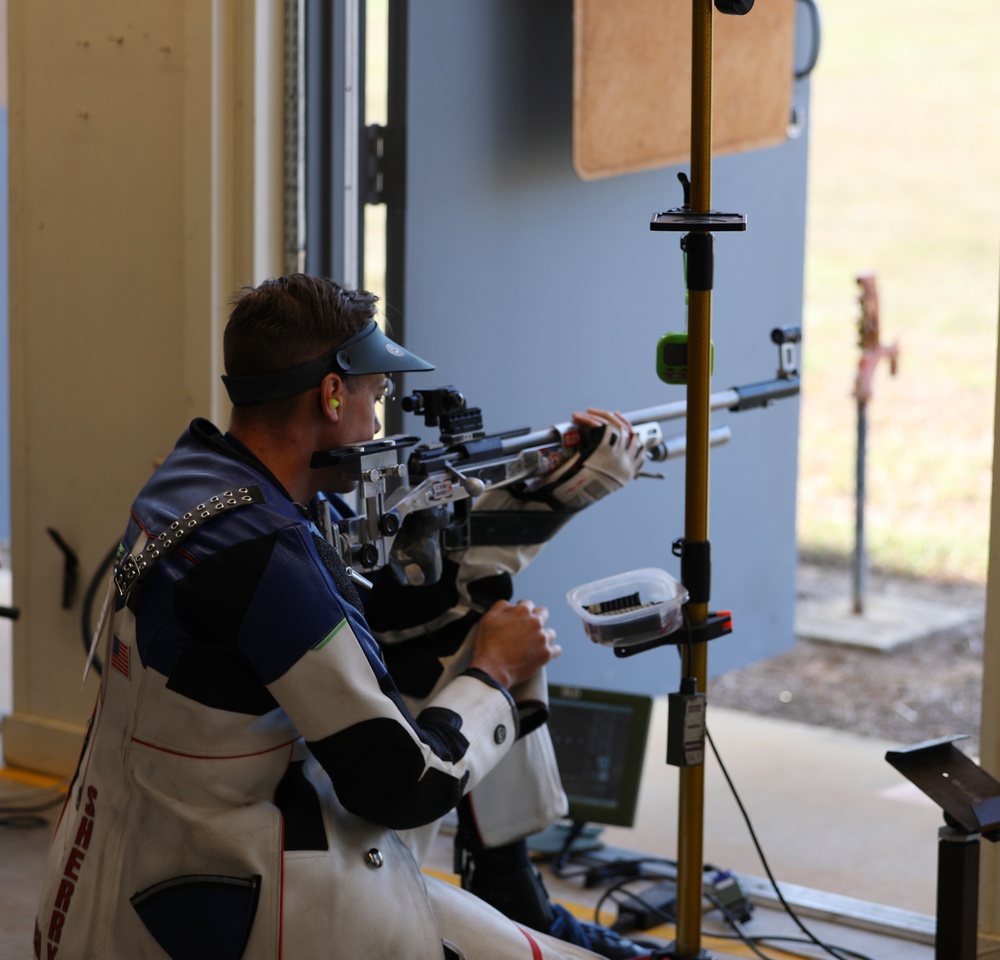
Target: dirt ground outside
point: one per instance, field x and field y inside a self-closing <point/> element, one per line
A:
<point x="927" y="689"/>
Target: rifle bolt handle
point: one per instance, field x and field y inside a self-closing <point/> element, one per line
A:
<point x="473" y="486"/>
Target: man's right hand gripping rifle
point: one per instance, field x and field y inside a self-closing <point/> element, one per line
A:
<point x="430" y="633"/>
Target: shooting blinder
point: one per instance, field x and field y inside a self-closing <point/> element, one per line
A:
<point x="369" y="351"/>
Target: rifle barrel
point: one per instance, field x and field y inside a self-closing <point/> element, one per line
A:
<point x="678" y="408"/>
<point x="735" y="398"/>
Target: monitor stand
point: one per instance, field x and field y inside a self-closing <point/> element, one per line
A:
<point x="566" y="838"/>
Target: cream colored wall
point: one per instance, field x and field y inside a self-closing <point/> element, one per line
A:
<point x="136" y="209"/>
<point x="989" y="909"/>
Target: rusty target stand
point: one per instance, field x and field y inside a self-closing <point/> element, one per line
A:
<point x="686" y="736"/>
<point x="872" y="351"/>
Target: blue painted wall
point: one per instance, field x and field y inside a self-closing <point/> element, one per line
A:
<point x="538" y="293"/>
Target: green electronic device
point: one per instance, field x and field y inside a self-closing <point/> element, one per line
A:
<point x="672" y="358"/>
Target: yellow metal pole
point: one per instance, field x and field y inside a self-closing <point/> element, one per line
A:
<point x="690" y="834"/>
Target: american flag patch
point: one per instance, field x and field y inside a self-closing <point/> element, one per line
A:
<point x="119" y="656"/>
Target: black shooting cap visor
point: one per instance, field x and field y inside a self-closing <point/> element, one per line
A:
<point x="369" y="351"/>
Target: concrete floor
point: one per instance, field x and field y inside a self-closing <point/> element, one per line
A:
<point x="853" y="845"/>
<point x="828" y="810"/>
<point x="22" y="861"/>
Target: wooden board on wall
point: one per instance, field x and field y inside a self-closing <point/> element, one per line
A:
<point x="632" y="82"/>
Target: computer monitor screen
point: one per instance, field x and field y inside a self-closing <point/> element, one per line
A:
<point x="600" y="742"/>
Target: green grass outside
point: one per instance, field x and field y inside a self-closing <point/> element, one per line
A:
<point x="904" y="181"/>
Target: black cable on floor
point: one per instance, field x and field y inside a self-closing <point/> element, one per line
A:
<point x="812" y="938"/>
<point x="22" y="810"/>
<point x="559" y="861"/>
<point x="23" y="821"/>
<point x="776" y="939"/>
<point x="740" y="933"/>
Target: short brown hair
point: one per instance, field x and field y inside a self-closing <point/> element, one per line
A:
<point x="288" y="320"/>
